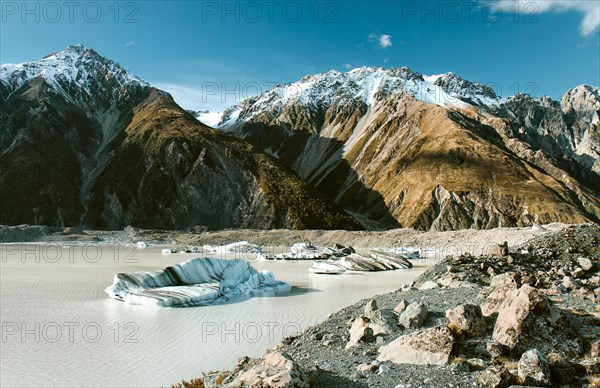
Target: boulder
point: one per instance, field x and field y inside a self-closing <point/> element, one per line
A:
<point x="496" y="376"/>
<point x="527" y="319"/>
<point x="467" y="319"/>
<point x="370" y="307"/>
<point x="383" y="322"/>
<point x="426" y="347"/>
<point x="359" y="332"/>
<point x="500" y="250"/>
<point x="277" y="369"/>
<point x="494" y="349"/>
<point x="413" y="316"/>
<point x="368" y="368"/>
<point x="585" y="263"/>
<point x="496" y="292"/>
<point x="380" y="320"/>
<point x="429" y="285"/>
<point x="401" y="306"/>
<point x="533" y="368"/>
<point x="569" y="283"/>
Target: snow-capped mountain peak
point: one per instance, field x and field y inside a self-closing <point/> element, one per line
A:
<point x="367" y="85"/>
<point x="73" y="67"/>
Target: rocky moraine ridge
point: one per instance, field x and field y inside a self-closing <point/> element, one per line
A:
<point x="525" y="315"/>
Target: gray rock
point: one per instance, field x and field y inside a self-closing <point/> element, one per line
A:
<point x="477" y="363"/>
<point x="569" y="283"/>
<point x="277" y="369"/>
<point x="467" y="319"/>
<point x="527" y="319"/>
<point x="414" y="315"/>
<point x="498" y="249"/>
<point x="401" y="306"/>
<point x="494" y="295"/>
<point x="533" y="368"/>
<point x="427" y="347"/>
<point x="360" y="332"/>
<point x="494" y="349"/>
<point x="383" y="322"/>
<point x="429" y="285"/>
<point x="370" y="307"/>
<point x="495" y="377"/>
<point x="367" y="368"/>
<point x="383" y="369"/>
<point x="585" y="263"/>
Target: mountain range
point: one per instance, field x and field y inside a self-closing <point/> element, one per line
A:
<point x="399" y="148"/>
<point x="85" y="142"/>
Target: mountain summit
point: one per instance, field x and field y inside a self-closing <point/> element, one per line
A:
<point x="85" y="142"/>
<point x="399" y="148"/>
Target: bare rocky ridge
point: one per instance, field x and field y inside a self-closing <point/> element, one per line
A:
<point x="84" y="142"/>
<point x="542" y="334"/>
<point x="398" y="148"/>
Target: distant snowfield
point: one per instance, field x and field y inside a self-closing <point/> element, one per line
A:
<point x="210" y="118"/>
<point x="59" y="328"/>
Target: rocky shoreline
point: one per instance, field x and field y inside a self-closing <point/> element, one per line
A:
<point x="526" y="314"/>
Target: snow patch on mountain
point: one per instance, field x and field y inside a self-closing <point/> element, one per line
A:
<point x="207" y="117"/>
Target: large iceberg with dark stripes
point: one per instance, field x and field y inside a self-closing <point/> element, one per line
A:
<point x="195" y="282"/>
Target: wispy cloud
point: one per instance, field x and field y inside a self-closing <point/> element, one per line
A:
<point x="589" y="8"/>
<point x="130" y="43"/>
<point x="382" y="40"/>
<point x="186" y="97"/>
<point x="347" y="66"/>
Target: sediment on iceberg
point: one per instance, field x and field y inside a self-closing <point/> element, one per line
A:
<point x="195" y="282"/>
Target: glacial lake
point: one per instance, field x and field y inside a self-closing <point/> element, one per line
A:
<point x="60" y="329"/>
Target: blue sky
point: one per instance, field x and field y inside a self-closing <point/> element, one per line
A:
<point x="211" y="54"/>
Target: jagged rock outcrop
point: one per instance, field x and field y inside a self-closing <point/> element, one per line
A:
<point x="102" y="148"/>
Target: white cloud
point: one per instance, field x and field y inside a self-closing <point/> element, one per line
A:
<point x="589" y="8"/>
<point x="383" y="40"/>
<point x="347" y="66"/>
<point x="130" y="43"/>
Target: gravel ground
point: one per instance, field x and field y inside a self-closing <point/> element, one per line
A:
<point x="333" y="366"/>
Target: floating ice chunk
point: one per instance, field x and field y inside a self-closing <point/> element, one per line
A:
<point x="195" y="282"/>
<point x="141" y="244"/>
<point x="327" y="267"/>
<point x="167" y="251"/>
<point x="236" y="247"/>
<point x="305" y="249"/>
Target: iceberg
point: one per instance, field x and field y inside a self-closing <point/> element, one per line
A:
<point x="236" y="247"/>
<point x="195" y="282"/>
<point x="327" y="267"/>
